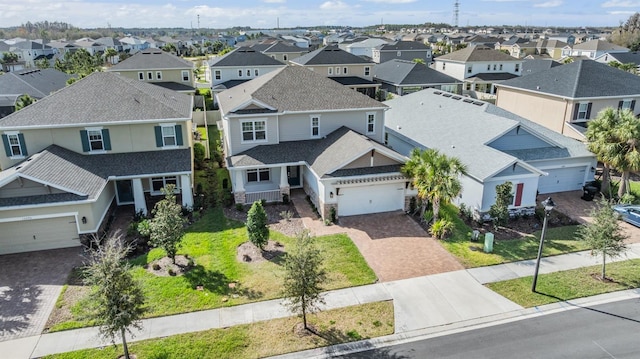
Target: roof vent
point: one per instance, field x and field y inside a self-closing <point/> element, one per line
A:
<point x="537" y="87"/>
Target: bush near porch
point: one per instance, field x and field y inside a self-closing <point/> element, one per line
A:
<point x="212" y="243"/>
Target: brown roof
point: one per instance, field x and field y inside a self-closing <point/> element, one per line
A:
<point x="476" y="53"/>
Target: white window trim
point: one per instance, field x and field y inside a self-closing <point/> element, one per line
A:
<point x="141" y="76"/>
<point x="95" y="129"/>
<point x="330" y="71"/>
<point x="311" y="124"/>
<point x="367" y="123"/>
<point x="242" y="140"/>
<point x="626" y="101"/>
<point x="217" y="75"/>
<point x="367" y="70"/>
<point x="175" y="135"/>
<point x="345" y="70"/>
<point x="256" y="72"/>
<point x="586" y="110"/>
<point x="182" y="74"/>
<point x="158" y="75"/>
<point x="164" y="184"/>
<point x="240" y="72"/>
<point x="15" y="133"/>
<point x="149" y="75"/>
<point x="257" y="171"/>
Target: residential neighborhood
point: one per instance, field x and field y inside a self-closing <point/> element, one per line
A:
<point x="318" y="191"/>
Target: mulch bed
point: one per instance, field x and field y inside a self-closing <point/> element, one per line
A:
<point x="165" y="264"/>
<point x="290" y="227"/>
<point x="249" y="253"/>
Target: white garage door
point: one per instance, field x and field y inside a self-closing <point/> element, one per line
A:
<point x="562" y="179"/>
<point x="38" y="234"/>
<point x="370" y="199"/>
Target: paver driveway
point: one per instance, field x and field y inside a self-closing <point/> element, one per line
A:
<point x="30" y="284"/>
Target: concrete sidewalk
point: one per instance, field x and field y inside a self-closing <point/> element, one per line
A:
<point x="420" y="303"/>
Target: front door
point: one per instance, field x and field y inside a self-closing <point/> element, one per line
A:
<point x="293" y="172"/>
<point x="124" y="190"/>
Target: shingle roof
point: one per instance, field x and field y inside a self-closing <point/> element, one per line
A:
<point x="36" y="83"/>
<point x="476" y="53"/>
<point x="463" y="127"/>
<point x="404" y="45"/>
<point x="102" y="97"/>
<point x="282" y="47"/>
<point x="244" y="56"/>
<point x="323" y="155"/>
<point x="295" y="88"/>
<point x="152" y="59"/>
<point x="403" y="72"/>
<point x="599" y="45"/>
<point x="86" y="175"/>
<point x="579" y="79"/>
<point x="329" y="55"/>
<point x="626" y="57"/>
<point x="533" y="66"/>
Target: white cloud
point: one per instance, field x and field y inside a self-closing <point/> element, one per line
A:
<point x="621" y="12"/>
<point x="552" y="3"/>
<point x="334" y="5"/>
<point x="621" y="3"/>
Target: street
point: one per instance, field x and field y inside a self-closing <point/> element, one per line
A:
<point x="603" y="331"/>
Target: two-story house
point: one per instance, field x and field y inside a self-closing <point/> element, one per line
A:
<point x="480" y="68"/>
<point x="595" y="48"/>
<point x="159" y="68"/>
<point x="566" y="97"/>
<point x="294" y="128"/>
<point x="347" y="69"/>
<point x="283" y="51"/>
<point x="238" y="66"/>
<point x="70" y="158"/>
<point x="36" y="83"/>
<point x="622" y="58"/>
<point x="402" y="50"/>
<point x="401" y="77"/>
<point x="31" y="51"/>
<point x="552" y="48"/>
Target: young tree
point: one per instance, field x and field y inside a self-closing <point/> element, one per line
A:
<point x="117" y="299"/>
<point x="167" y="226"/>
<point x="257" y="225"/>
<point x="604" y="235"/>
<point x="499" y="211"/>
<point x="304" y="276"/>
<point x="24" y="101"/>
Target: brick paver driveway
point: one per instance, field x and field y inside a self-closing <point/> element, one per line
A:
<point x="29" y="287"/>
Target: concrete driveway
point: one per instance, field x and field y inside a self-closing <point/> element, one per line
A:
<point x="30" y="284"/>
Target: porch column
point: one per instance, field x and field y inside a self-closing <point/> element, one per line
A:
<point x="284" y="177"/>
<point x="138" y="196"/>
<point x="239" y="181"/>
<point x="185" y="187"/>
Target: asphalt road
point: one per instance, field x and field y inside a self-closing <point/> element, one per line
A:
<point x="605" y="331"/>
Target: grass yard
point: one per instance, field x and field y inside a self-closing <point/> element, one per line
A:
<point x="212" y="243"/>
<point x="571" y="284"/>
<point x="262" y="339"/>
<point x="558" y="240"/>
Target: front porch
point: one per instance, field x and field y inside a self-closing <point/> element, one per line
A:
<point x="143" y="193"/>
<point x="270" y="184"/>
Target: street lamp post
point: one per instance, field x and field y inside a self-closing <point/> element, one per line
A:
<point x="548" y="207"/>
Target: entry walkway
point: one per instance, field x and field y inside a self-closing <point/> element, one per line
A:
<point x="420" y="303"/>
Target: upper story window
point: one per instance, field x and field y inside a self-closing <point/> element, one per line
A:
<point x="330" y="71"/>
<point x="627" y="104"/>
<point x="239" y="73"/>
<point x="337" y="71"/>
<point x="168" y="135"/>
<point x="14" y="145"/>
<point x="217" y="74"/>
<point x="185" y="75"/>
<point x="399" y="53"/>
<point x="500" y="67"/>
<point x="517" y="67"/>
<point x="583" y="110"/>
<point x="344" y="70"/>
<point x="367" y="70"/>
<point x="254" y="131"/>
<point x="258" y="175"/>
<point x="488" y="67"/>
<point x="95" y="139"/>
<point x="444" y="65"/>
<point x="495" y="67"/>
<point x="140" y="75"/>
<point x="285" y="57"/>
<point x="158" y="75"/>
<point x="469" y="69"/>
<point x="248" y="73"/>
<point x="371" y="123"/>
<point x="256" y="73"/>
<point x="315" y="126"/>
<point x="149" y="75"/>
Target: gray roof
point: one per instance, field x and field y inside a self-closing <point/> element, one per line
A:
<point x="152" y="59"/>
<point x="404" y="46"/>
<point x="330" y="55"/>
<point x="579" y="79"/>
<point x="31" y="45"/>
<point x="323" y="155"/>
<point x="282" y="47"/>
<point x="102" y="97"/>
<point x="476" y="53"/>
<point x="401" y="72"/>
<point x="463" y="127"/>
<point x="244" y="56"/>
<point x="85" y="176"/>
<point x="599" y="45"/>
<point x="295" y="88"/>
<point x="352" y="80"/>
<point x="625" y="57"/>
<point x="537" y="65"/>
<point x="109" y="41"/>
<point x="34" y="82"/>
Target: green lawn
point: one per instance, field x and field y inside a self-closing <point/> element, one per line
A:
<point x="261" y="339"/>
<point x="557" y="241"/>
<point x="212" y="243"/>
<point x="571" y="284"/>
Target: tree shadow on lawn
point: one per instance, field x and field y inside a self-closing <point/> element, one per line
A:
<point x="217" y="282"/>
<point x="527" y="248"/>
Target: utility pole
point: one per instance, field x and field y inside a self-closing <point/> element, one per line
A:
<point x="456" y="13"/>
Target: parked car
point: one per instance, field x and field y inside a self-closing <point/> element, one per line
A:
<point x="629" y="213"/>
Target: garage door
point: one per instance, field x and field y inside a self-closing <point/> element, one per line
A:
<point x="370" y="199"/>
<point x="38" y="234"/>
<point x="562" y="179"/>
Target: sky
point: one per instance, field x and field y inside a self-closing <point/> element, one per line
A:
<point x="306" y="13"/>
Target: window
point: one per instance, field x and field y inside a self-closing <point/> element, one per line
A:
<point x="95" y="140"/>
<point x="315" y="126"/>
<point x="371" y="123"/>
<point x="169" y="135"/>
<point x="158" y="75"/>
<point x="217" y="74"/>
<point x="367" y="70"/>
<point x="140" y="75"/>
<point x="185" y="75"/>
<point x="258" y="175"/>
<point x="239" y="73"/>
<point x="443" y="65"/>
<point x="517" y="67"/>
<point x="495" y="67"/>
<point x="583" y="110"/>
<point x="254" y="131"/>
<point x="248" y="73"/>
<point x="330" y="71"/>
<point x="337" y="71"/>
<point x="386" y="138"/>
<point x="149" y="75"/>
<point x="626" y="104"/>
<point x="256" y="73"/>
<point x="399" y="53"/>
<point x="344" y="70"/>
<point x="158" y="183"/>
<point x="500" y="67"/>
<point x="285" y="57"/>
<point x="488" y="67"/>
<point x="14" y="145"/>
<point x="469" y="69"/>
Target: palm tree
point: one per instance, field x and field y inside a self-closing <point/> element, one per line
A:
<point x="599" y="138"/>
<point x="436" y="177"/>
<point x="24" y="101"/>
<point x="109" y="54"/>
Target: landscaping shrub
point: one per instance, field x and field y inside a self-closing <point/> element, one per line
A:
<point x="198" y="155"/>
<point x="441" y="228"/>
<point x="257" y="225"/>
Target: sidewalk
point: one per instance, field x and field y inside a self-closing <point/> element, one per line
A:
<point x="436" y="303"/>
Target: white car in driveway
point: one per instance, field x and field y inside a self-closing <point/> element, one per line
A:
<point x="629" y="213"/>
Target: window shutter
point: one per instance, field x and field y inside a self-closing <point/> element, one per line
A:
<point x="519" y="189"/>
<point x="158" y="130"/>
<point x="576" y="107"/>
<point x="589" y="110"/>
<point x="23" y="145"/>
<point x="620" y="104"/>
<point x="106" y="139"/>
<point x="85" y="140"/>
<point x="179" y="135"/>
<point x="7" y="148"/>
<point x="633" y="105"/>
